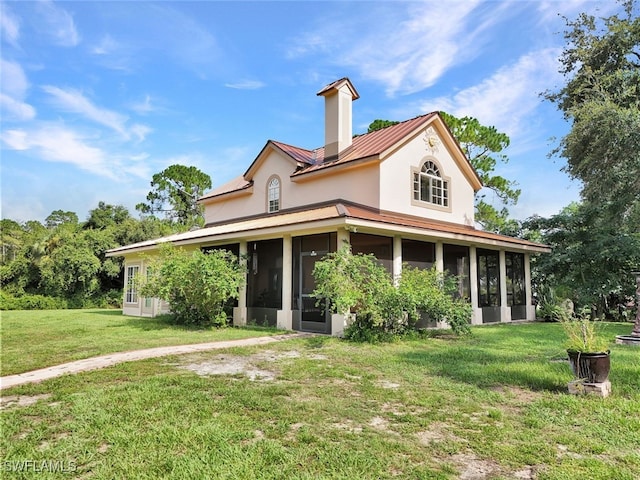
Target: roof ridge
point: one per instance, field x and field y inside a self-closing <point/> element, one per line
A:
<point x="360" y="135"/>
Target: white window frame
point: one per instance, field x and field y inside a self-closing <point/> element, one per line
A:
<point x="131" y="293"/>
<point x="429" y="188"/>
<point x="274" y="194"/>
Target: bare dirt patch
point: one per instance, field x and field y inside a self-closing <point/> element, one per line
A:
<point x="474" y="468"/>
<point x="249" y="366"/>
<point x="381" y="424"/>
<point x="388" y="385"/>
<point x="437" y="433"/>
<point x="21" y="400"/>
<point x="349" y="426"/>
<point x="521" y="395"/>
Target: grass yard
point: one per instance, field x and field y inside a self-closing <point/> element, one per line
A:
<point x="491" y="406"/>
<point x="41" y="338"/>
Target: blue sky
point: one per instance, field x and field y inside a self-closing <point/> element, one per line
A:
<point x="96" y="97"/>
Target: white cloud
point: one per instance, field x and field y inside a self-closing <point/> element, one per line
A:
<point x="58" y="24"/>
<point x="508" y="97"/>
<point x="12" y="109"/>
<point x="74" y="101"/>
<point x="13" y="90"/>
<point x="144" y="107"/>
<point x="140" y="131"/>
<point x="246" y="85"/>
<point x="14" y="81"/>
<point x="549" y="11"/>
<point x="56" y="143"/>
<point x="106" y="46"/>
<point x="9" y="25"/>
<point x="412" y="44"/>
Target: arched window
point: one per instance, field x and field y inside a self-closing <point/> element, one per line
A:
<point x="273" y="195"/>
<point x="429" y="185"/>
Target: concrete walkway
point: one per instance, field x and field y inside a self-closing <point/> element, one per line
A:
<point x="103" y="361"/>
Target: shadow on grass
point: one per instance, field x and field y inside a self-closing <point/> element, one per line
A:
<point x="110" y="312"/>
<point x="485" y="369"/>
<point x="168" y="322"/>
<point x="317" y="341"/>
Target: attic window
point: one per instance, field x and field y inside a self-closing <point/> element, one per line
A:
<point x="273" y="195"/>
<point x="430" y="186"/>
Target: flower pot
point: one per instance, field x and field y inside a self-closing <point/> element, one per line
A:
<point x="590" y="367"/>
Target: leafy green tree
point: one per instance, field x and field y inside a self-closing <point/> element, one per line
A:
<point x="379" y="124"/>
<point x="591" y="258"/>
<point x="175" y="192"/>
<point x="12" y="237"/>
<point x="67" y="260"/>
<point x="71" y="271"/>
<point x="601" y="99"/>
<point x="483" y="146"/>
<point x="196" y="284"/>
<point x="105" y="215"/>
<point x="60" y="217"/>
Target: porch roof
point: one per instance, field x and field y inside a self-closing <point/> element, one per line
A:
<point x="329" y="216"/>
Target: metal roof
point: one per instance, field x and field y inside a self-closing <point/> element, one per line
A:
<point x="337" y="213"/>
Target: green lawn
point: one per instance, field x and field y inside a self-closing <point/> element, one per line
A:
<point x="35" y="339"/>
<point x="491" y="406"/>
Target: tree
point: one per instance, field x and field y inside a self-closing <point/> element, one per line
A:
<point x="196" y="284"/>
<point x="601" y="97"/>
<point x="379" y="124"/>
<point x="482" y="146"/>
<point x="12" y="237"/>
<point x="591" y="257"/>
<point x="105" y="215"/>
<point x="60" y="217"/>
<point x="175" y="193"/>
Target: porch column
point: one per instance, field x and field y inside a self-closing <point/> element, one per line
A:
<point x="342" y="236"/>
<point x="505" y="310"/>
<point x="476" y="315"/>
<point x="439" y="256"/>
<point x="240" y="312"/>
<point x="531" y="308"/>
<point x="397" y="259"/>
<point x="284" y="316"/>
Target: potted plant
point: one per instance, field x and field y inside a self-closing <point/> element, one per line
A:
<point x="588" y="350"/>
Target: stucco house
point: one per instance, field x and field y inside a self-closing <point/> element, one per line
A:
<point x="404" y="193"/>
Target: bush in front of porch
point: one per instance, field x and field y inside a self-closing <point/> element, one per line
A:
<point x="384" y="308"/>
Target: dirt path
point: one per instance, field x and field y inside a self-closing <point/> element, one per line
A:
<point x="103" y="361"/>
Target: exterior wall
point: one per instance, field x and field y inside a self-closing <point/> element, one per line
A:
<point x="359" y="185"/>
<point x="396" y="183"/>
<point x="142" y="307"/>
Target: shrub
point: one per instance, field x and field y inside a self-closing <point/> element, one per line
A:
<point x="30" y="302"/>
<point x="358" y="283"/>
<point x="433" y="293"/>
<point x="197" y="285"/>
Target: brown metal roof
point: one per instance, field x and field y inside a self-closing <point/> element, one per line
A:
<point x="337" y="84"/>
<point x="369" y="144"/>
<point x="301" y="155"/>
<point x="235" y="185"/>
<point x="365" y="213"/>
<point x="336" y="210"/>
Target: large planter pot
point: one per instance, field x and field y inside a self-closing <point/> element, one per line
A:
<point x="590" y="367"/>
